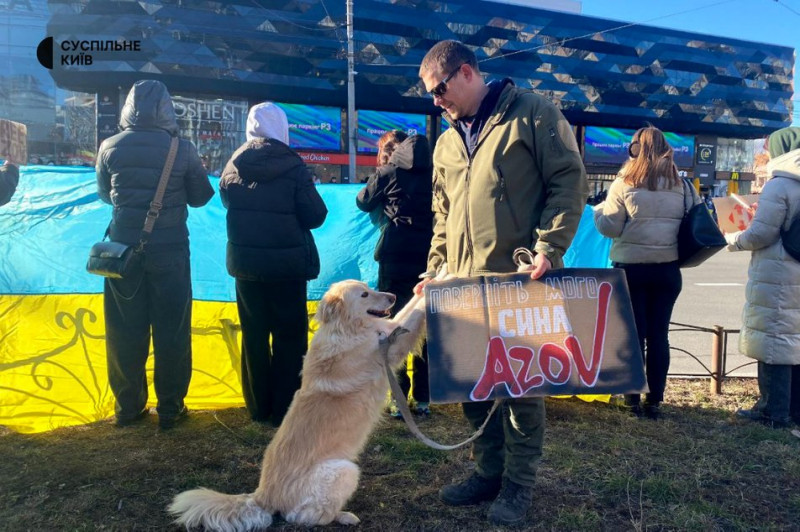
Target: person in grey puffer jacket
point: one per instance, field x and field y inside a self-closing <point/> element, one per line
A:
<point x="157" y="299"/>
<point x="272" y="206"/>
<point x="642" y="214"/>
<point x="771" y="318"/>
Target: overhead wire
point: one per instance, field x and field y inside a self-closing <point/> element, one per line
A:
<point x="561" y="42"/>
<point x="288" y="21"/>
<point x="788" y="7"/>
<point x="336" y="26"/>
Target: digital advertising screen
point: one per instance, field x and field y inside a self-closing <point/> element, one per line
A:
<point x="373" y="124"/>
<point x="683" y="147"/>
<point x="608" y="146"/>
<point x="313" y="127"/>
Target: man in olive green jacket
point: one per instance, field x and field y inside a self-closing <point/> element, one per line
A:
<point x="507" y="174"/>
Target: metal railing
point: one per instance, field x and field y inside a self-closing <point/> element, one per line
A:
<point x="719" y="353"/>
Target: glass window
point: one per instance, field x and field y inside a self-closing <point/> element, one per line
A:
<point x="737" y="155"/>
<point x="215" y="126"/>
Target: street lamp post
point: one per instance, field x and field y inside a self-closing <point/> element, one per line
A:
<point x="351" y="104"/>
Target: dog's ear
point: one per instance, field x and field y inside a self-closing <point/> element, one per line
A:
<point x="330" y="308"/>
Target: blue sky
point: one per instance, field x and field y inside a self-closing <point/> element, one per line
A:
<point x="768" y="21"/>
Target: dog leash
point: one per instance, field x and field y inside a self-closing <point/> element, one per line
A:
<point x="522" y="257"/>
<point x="402" y="405"/>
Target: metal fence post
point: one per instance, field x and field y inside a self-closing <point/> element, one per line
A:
<point x="716" y="360"/>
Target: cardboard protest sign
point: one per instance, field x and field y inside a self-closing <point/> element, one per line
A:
<point x="732" y="215"/>
<point x="570" y="332"/>
<point x="13" y="142"/>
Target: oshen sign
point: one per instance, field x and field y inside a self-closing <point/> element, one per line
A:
<point x="570" y="332"/>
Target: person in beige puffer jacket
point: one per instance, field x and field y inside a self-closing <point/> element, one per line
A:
<point x="771" y="317"/>
<point x="642" y="214"/>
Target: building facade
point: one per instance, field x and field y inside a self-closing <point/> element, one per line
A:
<point x="717" y="95"/>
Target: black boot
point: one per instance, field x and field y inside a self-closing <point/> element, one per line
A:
<point x="511" y="504"/>
<point x="753" y="414"/>
<point x="122" y="421"/>
<point x="626" y="405"/>
<point x="169" y="423"/>
<point x="652" y="410"/>
<point x="473" y="490"/>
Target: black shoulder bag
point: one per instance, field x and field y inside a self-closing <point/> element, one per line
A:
<point x="698" y="237"/>
<point x="791" y="239"/>
<point x="117" y="260"/>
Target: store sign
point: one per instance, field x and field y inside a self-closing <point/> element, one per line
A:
<point x="705" y="153"/>
<point x="107" y="115"/>
<point x="571" y="331"/>
<point x="373" y="124"/>
<point x="107" y="104"/>
<point x="335" y="158"/>
<point x="107" y="126"/>
<point x="204" y="110"/>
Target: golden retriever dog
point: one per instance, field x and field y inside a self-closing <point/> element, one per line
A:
<point x="309" y="471"/>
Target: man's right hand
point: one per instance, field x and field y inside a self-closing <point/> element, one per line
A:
<point x="427" y="277"/>
<point x="420" y="286"/>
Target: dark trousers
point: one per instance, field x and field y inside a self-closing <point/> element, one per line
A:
<point x="779" y="387"/>
<point x="155" y="300"/>
<point x="274" y="320"/>
<point x="404" y="290"/>
<point x="654" y="289"/>
<point x="511" y="443"/>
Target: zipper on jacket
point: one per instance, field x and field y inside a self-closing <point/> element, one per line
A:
<point x="470" y="250"/>
<point x="502" y="184"/>
<point x="503" y="194"/>
<point x="470" y="156"/>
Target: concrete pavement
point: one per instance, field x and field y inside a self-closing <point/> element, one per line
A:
<point x="713" y="294"/>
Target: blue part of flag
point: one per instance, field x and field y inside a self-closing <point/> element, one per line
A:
<point x="55" y="216"/>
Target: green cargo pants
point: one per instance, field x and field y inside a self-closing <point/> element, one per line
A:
<point x="511" y="444"/>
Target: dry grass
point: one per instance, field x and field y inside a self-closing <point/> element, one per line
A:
<point x="697" y="469"/>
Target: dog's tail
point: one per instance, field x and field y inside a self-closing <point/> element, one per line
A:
<point x="219" y="512"/>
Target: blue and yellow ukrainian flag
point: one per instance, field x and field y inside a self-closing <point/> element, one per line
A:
<point x="52" y="352"/>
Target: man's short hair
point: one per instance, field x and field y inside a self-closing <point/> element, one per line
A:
<point x="446" y="56"/>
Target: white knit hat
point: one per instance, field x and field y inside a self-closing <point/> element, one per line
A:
<point x="267" y="120"/>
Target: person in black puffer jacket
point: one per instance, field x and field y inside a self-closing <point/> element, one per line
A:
<point x="129" y="167"/>
<point x="401" y="188"/>
<point x="272" y="206"/>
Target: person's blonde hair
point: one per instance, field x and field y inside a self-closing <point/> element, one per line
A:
<point x="651" y="158"/>
<point x="387" y="144"/>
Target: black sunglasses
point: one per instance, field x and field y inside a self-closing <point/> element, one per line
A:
<point x="441" y="88"/>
